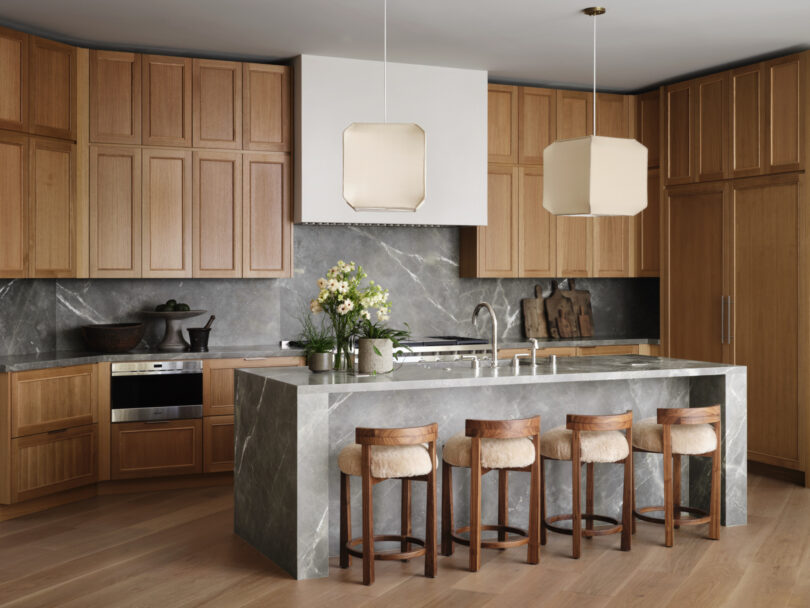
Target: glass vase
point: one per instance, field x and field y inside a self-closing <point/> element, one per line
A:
<point x="344" y="357"/>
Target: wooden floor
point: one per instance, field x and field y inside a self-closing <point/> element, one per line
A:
<point x="176" y="548"/>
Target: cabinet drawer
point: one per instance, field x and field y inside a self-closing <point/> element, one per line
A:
<point x="217" y="444"/>
<point x="153" y="449"/>
<point x="618" y="349"/>
<point x="52" y="399"/>
<point x="52" y="462"/>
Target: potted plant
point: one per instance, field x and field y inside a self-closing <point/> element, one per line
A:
<point x="376" y="345"/>
<point x="318" y="343"/>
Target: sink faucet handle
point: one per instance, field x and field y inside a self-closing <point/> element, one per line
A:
<point x="533" y="342"/>
<point x="516" y="359"/>
<point x="473" y="359"/>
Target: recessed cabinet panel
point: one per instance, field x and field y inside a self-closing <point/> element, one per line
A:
<point x="217" y="101"/>
<point x="679" y="126"/>
<point x="784" y="82"/>
<point x="218" y="451"/>
<point x="14" y="79"/>
<point x="611" y="246"/>
<point x="166" y="101"/>
<point x="648" y="125"/>
<point x="747" y="92"/>
<point x="502" y="124"/>
<point x="266" y="107"/>
<point x="711" y="96"/>
<point x="115" y="212"/>
<point x="537" y="124"/>
<point x="166" y="213"/>
<point x="498" y="255"/>
<point x="13" y="205"/>
<point x="266" y="216"/>
<point x="538" y="228"/>
<point x="52" y="74"/>
<point x="144" y="449"/>
<point x="648" y="228"/>
<point x="115" y="97"/>
<point x="574" y="114"/>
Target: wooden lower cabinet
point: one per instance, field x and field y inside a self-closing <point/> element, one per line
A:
<point x="218" y="443"/>
<point x="617" y="349"/>
<point x="52" y="462"/>
<point x="154" y="449"/>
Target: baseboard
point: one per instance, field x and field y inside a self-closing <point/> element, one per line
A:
<point x="775" y="472"/>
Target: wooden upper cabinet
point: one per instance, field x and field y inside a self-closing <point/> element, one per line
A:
<point x="679" y="132"/>
<point x="648" y="228"/>
<point x="53" y="246"/>
<point x="648" y="125"/>
<point x="217" y="214"/>
<point x="537" y="236"/>
<point x="785" y="101"/>
<point x="747" y="128"/>
<point x="115" y="97"/>
<point x="537" y="111"/>
<point x="13" y="205"/>
<point x="711" y="124"/>
<point x="14" y="79"/>
<point x="166" y="213"/>
<point x="217" y="104"/>
<point x="574" y="114"/>
<point x="267" y="244"/>
<point x="498" y="240"/>
<point x="52" y="88"/>
<point x="502" y="123"/>
<point x="612" y="115"/>
<point x="166" y="101"/>
<point x="266" y="107"/>
<point x="115" y="212"/>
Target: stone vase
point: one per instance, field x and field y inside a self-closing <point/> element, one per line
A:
<point x="320" y="362"/>
<point x="373" y="363"/>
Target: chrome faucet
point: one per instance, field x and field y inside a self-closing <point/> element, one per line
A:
<point x="494" y="329"/>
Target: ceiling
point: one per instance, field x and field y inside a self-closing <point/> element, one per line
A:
<point x="640" y="42"/>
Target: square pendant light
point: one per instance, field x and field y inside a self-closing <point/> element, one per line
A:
<point x="595" y="175"/>
<point x="384" y="166"/>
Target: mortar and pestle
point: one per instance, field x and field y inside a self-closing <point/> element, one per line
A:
<point x="198" y="336"/>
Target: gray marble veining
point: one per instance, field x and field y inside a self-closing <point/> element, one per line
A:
<point x="290" y="427"/>
<point x="27" y="317"/>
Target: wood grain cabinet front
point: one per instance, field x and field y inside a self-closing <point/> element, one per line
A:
<point x="13" y="80"/>
<point x="115" y="97"/>
<point x="154" y="449"/>
<point x="52" y="88"/>
<point x="502" y="123"/>
<point x="217" y="104"/>
<point x="266" y="107"/>
<point x="166" y="101"/>
<point x="218" y="442"/>
<point x="13" y="205"/>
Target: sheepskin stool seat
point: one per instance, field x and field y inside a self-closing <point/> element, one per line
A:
<point x="590" y="439"/>
<point x="407" y="454"/>
<point x="487" y="445"/>
<point x="673" y="433"/>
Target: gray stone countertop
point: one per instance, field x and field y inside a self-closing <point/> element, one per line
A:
<point x="582" y="342"/>
<point x="413" y="376"/>
<point x="18" y="363"/>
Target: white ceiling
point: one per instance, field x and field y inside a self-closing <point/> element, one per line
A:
<point x="641" y="42"/>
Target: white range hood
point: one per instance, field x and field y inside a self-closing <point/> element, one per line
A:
<point x="450" y="104"/>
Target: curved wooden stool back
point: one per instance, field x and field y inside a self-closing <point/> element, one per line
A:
<point x="577" y="423"/>
<point x="367" y="437"/>
<point x="672" y="507"/>
<point x="494" y="429"/>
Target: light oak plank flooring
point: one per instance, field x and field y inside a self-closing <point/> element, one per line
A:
<point x="176" y="548"/>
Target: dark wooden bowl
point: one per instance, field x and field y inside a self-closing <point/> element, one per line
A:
<point x="113" y="337"/>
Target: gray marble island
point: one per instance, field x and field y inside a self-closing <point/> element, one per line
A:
<point x="291" y="424"/>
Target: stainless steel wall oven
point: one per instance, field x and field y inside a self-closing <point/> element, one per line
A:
<point x="156" y="390"/>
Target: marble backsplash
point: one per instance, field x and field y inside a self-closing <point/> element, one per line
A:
<point x="418" y="265"/>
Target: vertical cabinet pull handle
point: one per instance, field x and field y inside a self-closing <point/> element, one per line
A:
<point x="722" y="319"/>
<point x="728" y="317"/>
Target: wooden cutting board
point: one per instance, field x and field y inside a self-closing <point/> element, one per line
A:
<point x="581" y="301"/>
<point x="562" y="321"/>
<point x="534" y="315"/>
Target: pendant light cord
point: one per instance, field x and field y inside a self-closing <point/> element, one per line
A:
<point x="594" y="74"/>
<point x="385" y="60"/>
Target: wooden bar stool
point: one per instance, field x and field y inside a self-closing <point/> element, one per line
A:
<point x="674" y="433"/>
<point x="590" y="439"/>
<point x="408" y="454"/>
<point x="486" y="445"/>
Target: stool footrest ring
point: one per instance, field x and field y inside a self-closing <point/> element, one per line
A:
<point x="597" y="531"/>
<point x="702" y="516"/>
<point x="493" y="544"/>
<point x="388" y="555"/>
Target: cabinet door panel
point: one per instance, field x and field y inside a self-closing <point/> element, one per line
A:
<point x="166" y="101"/>
<point x="696" y="276"/>
<point x="217" y="102"/>
<point x="766" y="219"/>
<point x="502" y="123"/>
<point x="538" y="123"/>
<point x="266" y="216"/>
<point x="648" y="125"/>
<point x="115" y="97"/>
<point x="266" y="107"/>
<point x="14" y="76"/>
<point x="115" y="212"/>
<point x="52" y="208"/>
<point x="498" y="240"/>
<point x="711" y="98"/>
<point x="53" y="462"/>
<point x="217" y="220"/>
<point x="52" y="73"/>
<point x="574" y="114"/>
<point x="538" y="228"/>
<point x="679" y="126"/>
<point x="648" y="228"/>
<point x="13" y="205"/>
<point x="166" y="214"/>
<point x="218" y="444"/>
<point x="785" y="127"/>
<point x="145" y="449"/>
<point x="747" y="92"/>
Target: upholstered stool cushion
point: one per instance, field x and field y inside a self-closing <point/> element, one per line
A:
<point x="386" y="460"/>
<point x="686" y="438"/>
<point x="495" y="453"/>
<point x="596" y="446"/>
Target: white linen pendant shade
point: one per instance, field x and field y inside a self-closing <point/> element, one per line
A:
<point x="595" y="175"/>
